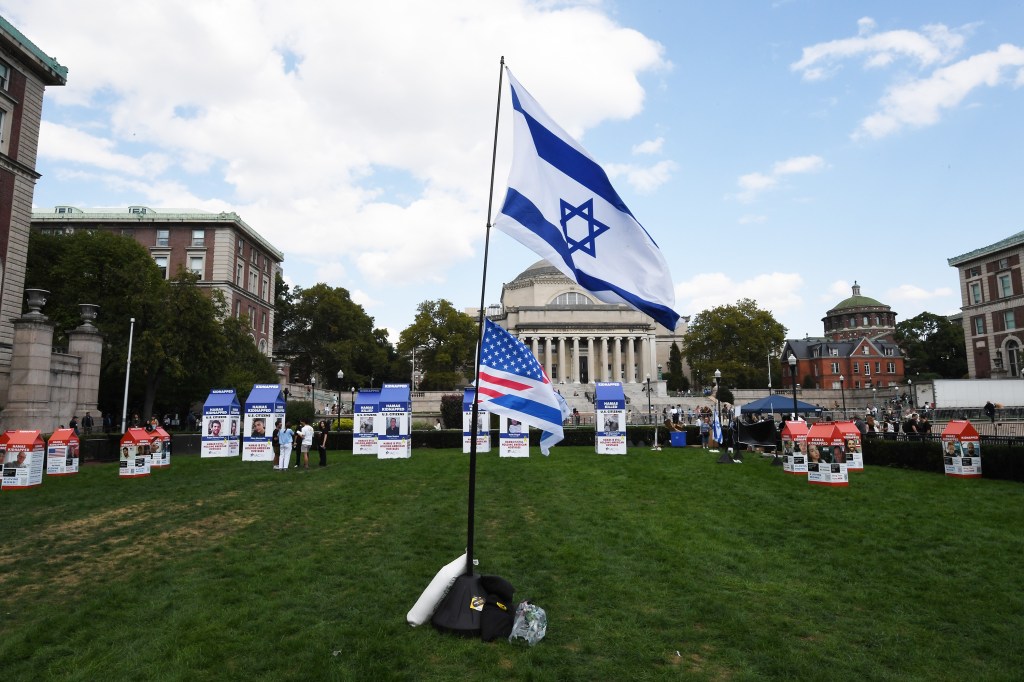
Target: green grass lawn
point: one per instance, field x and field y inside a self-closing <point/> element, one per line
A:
<point x="658" y="565"/>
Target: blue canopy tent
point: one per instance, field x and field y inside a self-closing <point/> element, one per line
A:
<point x="777" y="403"/>
<point x="221" y="413"/>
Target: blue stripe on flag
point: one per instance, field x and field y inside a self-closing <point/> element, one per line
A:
<point x="530" y="407"/>
<point x="570" y="161"/>
<point x="526" y="213"/>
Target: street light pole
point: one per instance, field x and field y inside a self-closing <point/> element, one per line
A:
<point x="127" y="374"/>
<point x="792" y="371"/>
<point x="718" y="397"/>
<point x="842" y="388"/>
<point x="341" y="375"/>
<point x="650" y="416"/>
<point x="910" y="389"/>
<point x="312" y="383"/>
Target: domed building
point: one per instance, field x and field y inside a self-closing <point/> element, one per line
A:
<point x="858" y="350"/>
<point x="579" y="339"/>
<point x="859" y="316"/>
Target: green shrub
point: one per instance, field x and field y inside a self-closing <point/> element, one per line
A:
<point x="451" y="411"/>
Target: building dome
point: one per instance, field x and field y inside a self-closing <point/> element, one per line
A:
<point x="859" y="316"/>
<point x="541" y="268"/>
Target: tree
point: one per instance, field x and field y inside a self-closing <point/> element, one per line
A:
<point x="323" y="330"/>
<point x="445" y="341"/>
<point x="733" y="339"/>
<point x="677" y="381"/>
<point x="933" y="347"/>
<point x="183" y="344"/>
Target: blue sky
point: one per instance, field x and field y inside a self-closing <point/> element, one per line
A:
<point x="775" y="150"/>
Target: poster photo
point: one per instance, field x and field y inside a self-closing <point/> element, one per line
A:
<point x="482" y="432"/>
<point x="62" y="452"/>
<point x="364" y="422"/>
<point x="611" y="432"/>
<point x="23" y="459"/>
<point x="513" y="438"/>
<point x="394" y="418"/>
<point x="220" y="424"/>
<point x="134" y="461"/>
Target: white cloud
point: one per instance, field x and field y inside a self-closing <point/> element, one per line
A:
<point x="753" y="184"/>
<point x="920" y="102"/>
<point x="644" y="179"/>
<point x="911" y="292"/>
<point x="934" y="44"/>
<point x="778" y="292"/>
<point x="649" y="146"/>
<point x="289" y="111"/>
<point x="751" y="219"/>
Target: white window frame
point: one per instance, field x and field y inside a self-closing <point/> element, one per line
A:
<point x="891" y="368"/>
<point x="979" y="325"/>
<point x="166" y="263"/>
<point x="835" y="368"/>
<point x="198" y="237"/>
<point x="163" y="237"/>
<point x="201" y="270"/>
<point x="1009" y="320"/>
<point x="5" y="76"/>
<point x="1005" y="285"/>
<point x="976" y="292"/>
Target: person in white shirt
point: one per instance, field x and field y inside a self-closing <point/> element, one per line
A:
<point x="307" y="442"/>
<point x="286" y="436"/>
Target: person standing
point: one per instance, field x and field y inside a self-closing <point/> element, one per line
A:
<point x="307" y="442"/>
<point x="73" y="424"/>
<point x="705" y="432"/>
<point x="321" y="443"/>
<point x="286" y="438"/>
<point x="87" y="423"/>
<point x="275" y="443"/>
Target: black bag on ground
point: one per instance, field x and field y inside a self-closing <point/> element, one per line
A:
<point x="499" y="609"/>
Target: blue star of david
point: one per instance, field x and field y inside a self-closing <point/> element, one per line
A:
<point x="595" y="228"/>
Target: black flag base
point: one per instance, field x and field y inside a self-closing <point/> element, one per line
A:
<point x="776" y="460"/>
<point x="459" y="612"/>
<point x="726" y="458"/>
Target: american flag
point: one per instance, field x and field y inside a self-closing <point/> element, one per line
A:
<point x="513" y="383"/>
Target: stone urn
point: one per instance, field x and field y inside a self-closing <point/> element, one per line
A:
<point x="35" y="299"/>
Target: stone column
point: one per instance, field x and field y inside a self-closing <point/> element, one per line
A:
<point x="562" y="357"/>
<point x="535" y="347"/>
<point x="87" y="343"/>
<point x="547" y="357"/>
<point x="645" y="356"/>
<point x="605" y="371"/>
<point x="631" y="360"/>
<point x="575" y="359"/>
<point x="590" y="360"/>
<point x="617" y="358"/>
<point x="28" y="401"/>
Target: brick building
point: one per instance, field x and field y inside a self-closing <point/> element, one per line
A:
<point x="858" y="346"/>
<point x="993" y="308"/>
<point x="223" y="249"/>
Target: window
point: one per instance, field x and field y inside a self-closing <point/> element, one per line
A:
<point x="1009" y="320"/>
<point x="979" y="325"/>
<point x="198" y="237"/>
<point x="878" y="368"/>
<point x="1004" y="263"/>
<point x="572" y="298"/>
<point x="161" y="262"/>
<point x="239" y="275"/>
<point x="865" y="320"/>
<point x="241" y="246"/>
<point x="238" y="307"/>
<point x="856" y="368"/>
<point x="263" y="323"/>
<point x="266" y="290"/>
<point x="1005" y="286"/>
<point x="835" y="368"/>
<point x="1013" y="357"/>
<point x="3" y="134"/>
<point x="834" y="352"/>
<point x="195" y="264"/>
<point x="890" y="367"/>
<point x="5" y="76"/>
<point x="889" y="351"/>
<point x="866" y="350"/>
<point x="974" y="272"/>
<point x="163" y="237"/>
<point x="867" y="369"/>
<point x="137" y="210"/>
<point x="252" y="282"/>
<point x="975" y="292"/>
<point x="252" y="316"/>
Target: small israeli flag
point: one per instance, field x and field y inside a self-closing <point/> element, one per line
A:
<point x="561" y="205"/>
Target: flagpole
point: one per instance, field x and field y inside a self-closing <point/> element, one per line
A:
<point x="479" y="341"/>
<point x="452" y="613"/>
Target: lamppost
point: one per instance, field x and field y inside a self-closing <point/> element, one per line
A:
<point x="842" y="389"/>
<point x="769" y="371"/>
<point x="127" y="374"/>
<point x="312" y="383"/>
<point x="650" y="415"/>
<point x="792" y="372"/>
<point x="718" y="396"/>
<point x="910" y="389"/>
<point x="874" y="398"/>
<point x="353" y="403"/>
<point x="341" y="375"/>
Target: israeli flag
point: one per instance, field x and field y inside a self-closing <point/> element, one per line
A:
<point x="716" y="429"/>
<point x="561" y="205"/>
